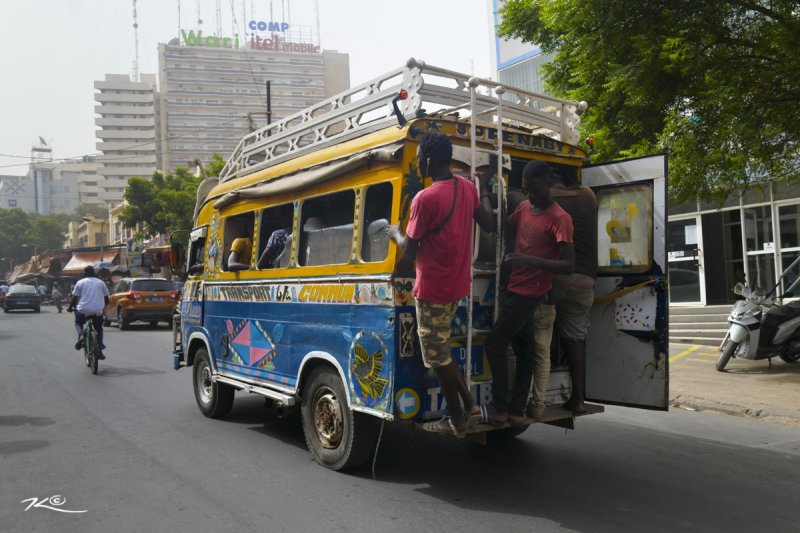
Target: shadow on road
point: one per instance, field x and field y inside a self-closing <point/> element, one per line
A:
<point x="21" y="420"/>
<point x="112" y="372"/>
<point x="21" y="446"/>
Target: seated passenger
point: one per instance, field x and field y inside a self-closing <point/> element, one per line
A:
<point x="241" y="253"/>
<point x="275" y="245"/>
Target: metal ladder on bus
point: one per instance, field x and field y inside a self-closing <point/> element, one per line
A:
<point x="475" y="114"/>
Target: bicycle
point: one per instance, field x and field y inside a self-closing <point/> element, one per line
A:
<point x="91" y="348"/>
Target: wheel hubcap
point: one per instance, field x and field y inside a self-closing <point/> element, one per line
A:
<point x="328" y="418"/>
<point x="204" y="383"/>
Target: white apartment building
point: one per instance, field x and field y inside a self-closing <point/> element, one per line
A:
<point x="126" y="131"/>
<point x="212" y="90"/>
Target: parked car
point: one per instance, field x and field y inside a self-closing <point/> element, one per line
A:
<point x="147" y="299"/>
<point x="22" y="297"/>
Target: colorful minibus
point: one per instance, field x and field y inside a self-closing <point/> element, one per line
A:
<point x="293" y="292"/>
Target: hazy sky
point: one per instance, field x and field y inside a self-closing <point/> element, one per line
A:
<point x="54" y="50"/>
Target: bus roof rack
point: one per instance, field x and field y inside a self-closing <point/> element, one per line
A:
<point x="368" y="107"/>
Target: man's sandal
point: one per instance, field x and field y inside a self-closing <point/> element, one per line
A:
<point x="473" y="416"/>
<point x="445" y="425"/>
<point x="492" y="417"/>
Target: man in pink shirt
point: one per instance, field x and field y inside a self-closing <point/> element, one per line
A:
<point x="542" y="248"/>
<point x="439" y="237"/>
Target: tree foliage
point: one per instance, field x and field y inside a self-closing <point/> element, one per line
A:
<point x="23" y="234"/>
<point x="716" y="84"/>
<point x="164" y="203"/>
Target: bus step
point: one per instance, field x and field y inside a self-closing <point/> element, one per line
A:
<point x="555" y="414"/>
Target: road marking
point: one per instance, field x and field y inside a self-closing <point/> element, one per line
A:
<point x="708" y="354"/>
<point x="692" y="359"/>
<point x="684" y="353"/>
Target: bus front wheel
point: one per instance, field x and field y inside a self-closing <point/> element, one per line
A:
<point x="215" y="400"/>
<point x="337" y="437"/>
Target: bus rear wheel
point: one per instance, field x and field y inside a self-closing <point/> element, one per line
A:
<point x="337" y="437"/>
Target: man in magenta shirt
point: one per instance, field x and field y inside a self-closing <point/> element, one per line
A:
<point x="439" y="237"/>
<point x="542" y="248"/>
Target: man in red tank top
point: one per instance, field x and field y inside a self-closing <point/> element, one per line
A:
<point x="439" y="237"/>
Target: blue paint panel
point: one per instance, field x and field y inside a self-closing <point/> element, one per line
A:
<point x="268" y="341"/>
<point x="411" y="372"/>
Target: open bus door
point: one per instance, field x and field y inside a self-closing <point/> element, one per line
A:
<point x="627" y="348"/>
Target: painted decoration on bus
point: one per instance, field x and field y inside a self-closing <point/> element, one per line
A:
<point x="214" y="250"/>
<point x="251" y="345"/>
<point x="327" y="293"/>
<point x="370" y="380"/>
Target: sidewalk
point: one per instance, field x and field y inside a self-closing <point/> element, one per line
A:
<point x="746" y="388"/>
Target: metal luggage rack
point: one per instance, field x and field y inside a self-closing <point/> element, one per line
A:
<point x="367" y="108"/>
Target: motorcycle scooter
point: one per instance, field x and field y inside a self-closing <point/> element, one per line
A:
<point x="761" y="327"/>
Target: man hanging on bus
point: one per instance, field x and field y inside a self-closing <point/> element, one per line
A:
<point x="438" y="237"/>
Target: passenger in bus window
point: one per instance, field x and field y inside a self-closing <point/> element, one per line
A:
<point x="573" y="294"/>
<point x="241" y="252"/>
<point x="438" y="236"/>
<point x="542" y="248"/>
<point x="275" y="246"/>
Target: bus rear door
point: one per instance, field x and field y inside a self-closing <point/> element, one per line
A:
<point x="627" y="348"/>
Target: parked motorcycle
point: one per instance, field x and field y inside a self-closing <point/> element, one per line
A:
<point x="761" y="327"/>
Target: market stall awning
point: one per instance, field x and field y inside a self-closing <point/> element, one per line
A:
<point x="81" y="260"/>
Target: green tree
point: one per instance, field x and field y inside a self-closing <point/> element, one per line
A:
<point x="164" y="203"/>
<point x="716" y="84"/>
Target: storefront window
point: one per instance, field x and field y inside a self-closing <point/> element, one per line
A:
<point x="789" y="223"/>
<point x="761" y="271"/>
<point x="787" y="258"/>
<point x="758" y="228"/>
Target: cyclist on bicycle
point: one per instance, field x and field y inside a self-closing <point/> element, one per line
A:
<point x="89" y="297"/>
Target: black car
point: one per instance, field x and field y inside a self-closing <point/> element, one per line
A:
<point x="22" y="297"/>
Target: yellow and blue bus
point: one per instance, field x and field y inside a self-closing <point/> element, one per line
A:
<point x="325" y="324"/>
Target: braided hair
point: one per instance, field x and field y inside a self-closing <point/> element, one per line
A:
<point x="437" y="146"/>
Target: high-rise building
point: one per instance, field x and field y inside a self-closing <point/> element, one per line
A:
<point x="126" y="131"/>
<point x="213" y="90"/>
<point x="515" y="62"/>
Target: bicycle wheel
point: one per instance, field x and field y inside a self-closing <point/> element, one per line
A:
<point x="87" y="346"/>
<point x="93" y="352"/>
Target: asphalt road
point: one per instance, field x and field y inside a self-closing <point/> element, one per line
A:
<point x="130" y="448"/>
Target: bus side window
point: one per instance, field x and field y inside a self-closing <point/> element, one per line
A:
<point x="377" y="212"/>
<point x="275" y="237"/>
<point x="238" y="227"/>
<point x="326" y="229"/>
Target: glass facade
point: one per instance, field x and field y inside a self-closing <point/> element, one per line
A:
<point x="754" y="238"/>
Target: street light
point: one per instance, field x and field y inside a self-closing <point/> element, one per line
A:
<point x="32" y="245"/>
<point x="10" y="262"/>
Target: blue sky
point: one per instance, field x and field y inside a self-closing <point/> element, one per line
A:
<point x="54" y="50"/>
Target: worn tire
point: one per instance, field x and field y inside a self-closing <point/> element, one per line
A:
<point x="726" y="355"/>
<point x="790" y="358"/>
<point x="95" y="349"/>
<point x="337" y="437"/>
<point x="215" y="400"/>
<point x="122" y="322"/>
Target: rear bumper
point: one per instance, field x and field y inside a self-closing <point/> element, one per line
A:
<point x="11" y="305"/>
<point x="148" y="314"/>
